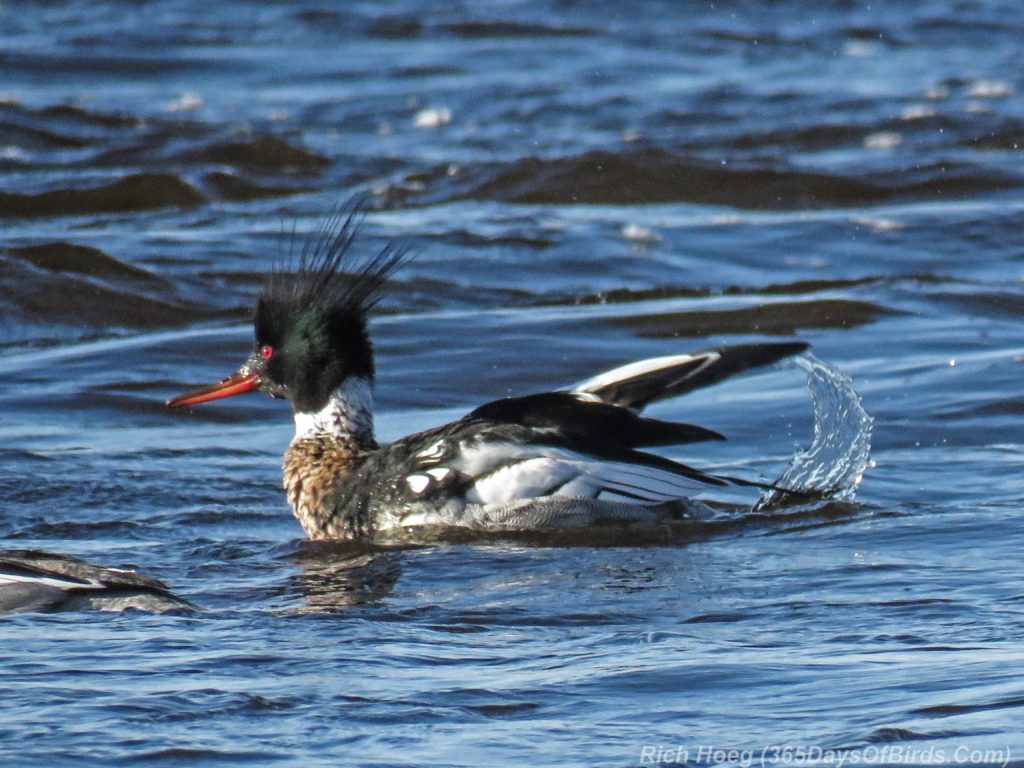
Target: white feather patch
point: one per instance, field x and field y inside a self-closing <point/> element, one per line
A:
<point x="434" y="451"/>
<point x="349" y="412"/>
<point x="507" y="473"/>
<point x="476" y="460"/>
<point x="421" y="518"/>
<point x="418" y="483"/>
<point x="527" y="479"/>
<point x="642" y="368"/>
<point x="48" y="581"/>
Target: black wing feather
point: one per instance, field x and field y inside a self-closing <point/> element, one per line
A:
<point x="594" y="428"/>
<point x="590" y="420"/>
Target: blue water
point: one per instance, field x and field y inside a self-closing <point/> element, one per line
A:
<point x="585" y="184"/>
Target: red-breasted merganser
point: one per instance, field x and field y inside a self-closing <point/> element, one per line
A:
<point x="32" y="580"/>
<point x="555" y="459"/>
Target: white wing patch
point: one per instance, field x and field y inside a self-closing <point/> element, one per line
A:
<point x="418" y="483"/>
<point x="506" y="473"/>
<point x="643" y="368"/>
<point x="422" y="518"/>
<point x="434" y="451"/>
<point x="528" y="479"/>
<point x="422" y="483"/>
<point x="49" y="581"/>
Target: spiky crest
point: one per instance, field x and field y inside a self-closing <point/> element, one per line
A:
<point x="313" y="313"/>
<point x="327" y="276"/>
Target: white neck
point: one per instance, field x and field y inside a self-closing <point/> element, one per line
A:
<point x="348" y="414"/>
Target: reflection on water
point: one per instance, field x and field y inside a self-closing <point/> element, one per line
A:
<point x="334" y="576"/>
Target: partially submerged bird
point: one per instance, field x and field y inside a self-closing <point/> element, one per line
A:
<point x="32" y="580"/>
<point x="555" y="459"/>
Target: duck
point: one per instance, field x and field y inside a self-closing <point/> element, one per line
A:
<point x="33" y="580"/>
<point x="568" y="458"/>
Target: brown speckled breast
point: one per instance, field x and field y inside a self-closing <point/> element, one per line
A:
<point x="314" y="468"/>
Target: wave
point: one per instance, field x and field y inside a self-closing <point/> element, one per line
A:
<point x="263" y="154"/>
<point x="95" y="290"/>
<point x="653" y="175"/>
<point x="778" y="318"/>
<point x="136" y="192"/>
<point x="503" y="29"/>
<point x="228" y="186"/>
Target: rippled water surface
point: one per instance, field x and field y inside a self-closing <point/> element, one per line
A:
<point x="586" y="184"/>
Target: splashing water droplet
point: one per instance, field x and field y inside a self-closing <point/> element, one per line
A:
<point x="834" y="463"/>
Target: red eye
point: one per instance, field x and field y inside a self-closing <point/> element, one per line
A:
<point x="266" y="352"/>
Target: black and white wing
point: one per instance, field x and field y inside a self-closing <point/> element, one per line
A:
<point x="490" y="467"/>
<point x="31" y="580"/>
<point x="584" y="443"/>
<point x="499" y="473"/>
<point x="636" y="385"/>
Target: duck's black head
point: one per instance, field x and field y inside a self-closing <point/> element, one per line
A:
<point x="311" y="322"/>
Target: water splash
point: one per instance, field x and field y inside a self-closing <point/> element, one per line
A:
<point x="834" y="463"/>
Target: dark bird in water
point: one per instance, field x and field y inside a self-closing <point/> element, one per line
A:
<point x="32" y="580"/>
<point x="567" y="458"/>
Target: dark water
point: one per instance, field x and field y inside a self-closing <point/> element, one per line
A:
<point x="587" y="183"/>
